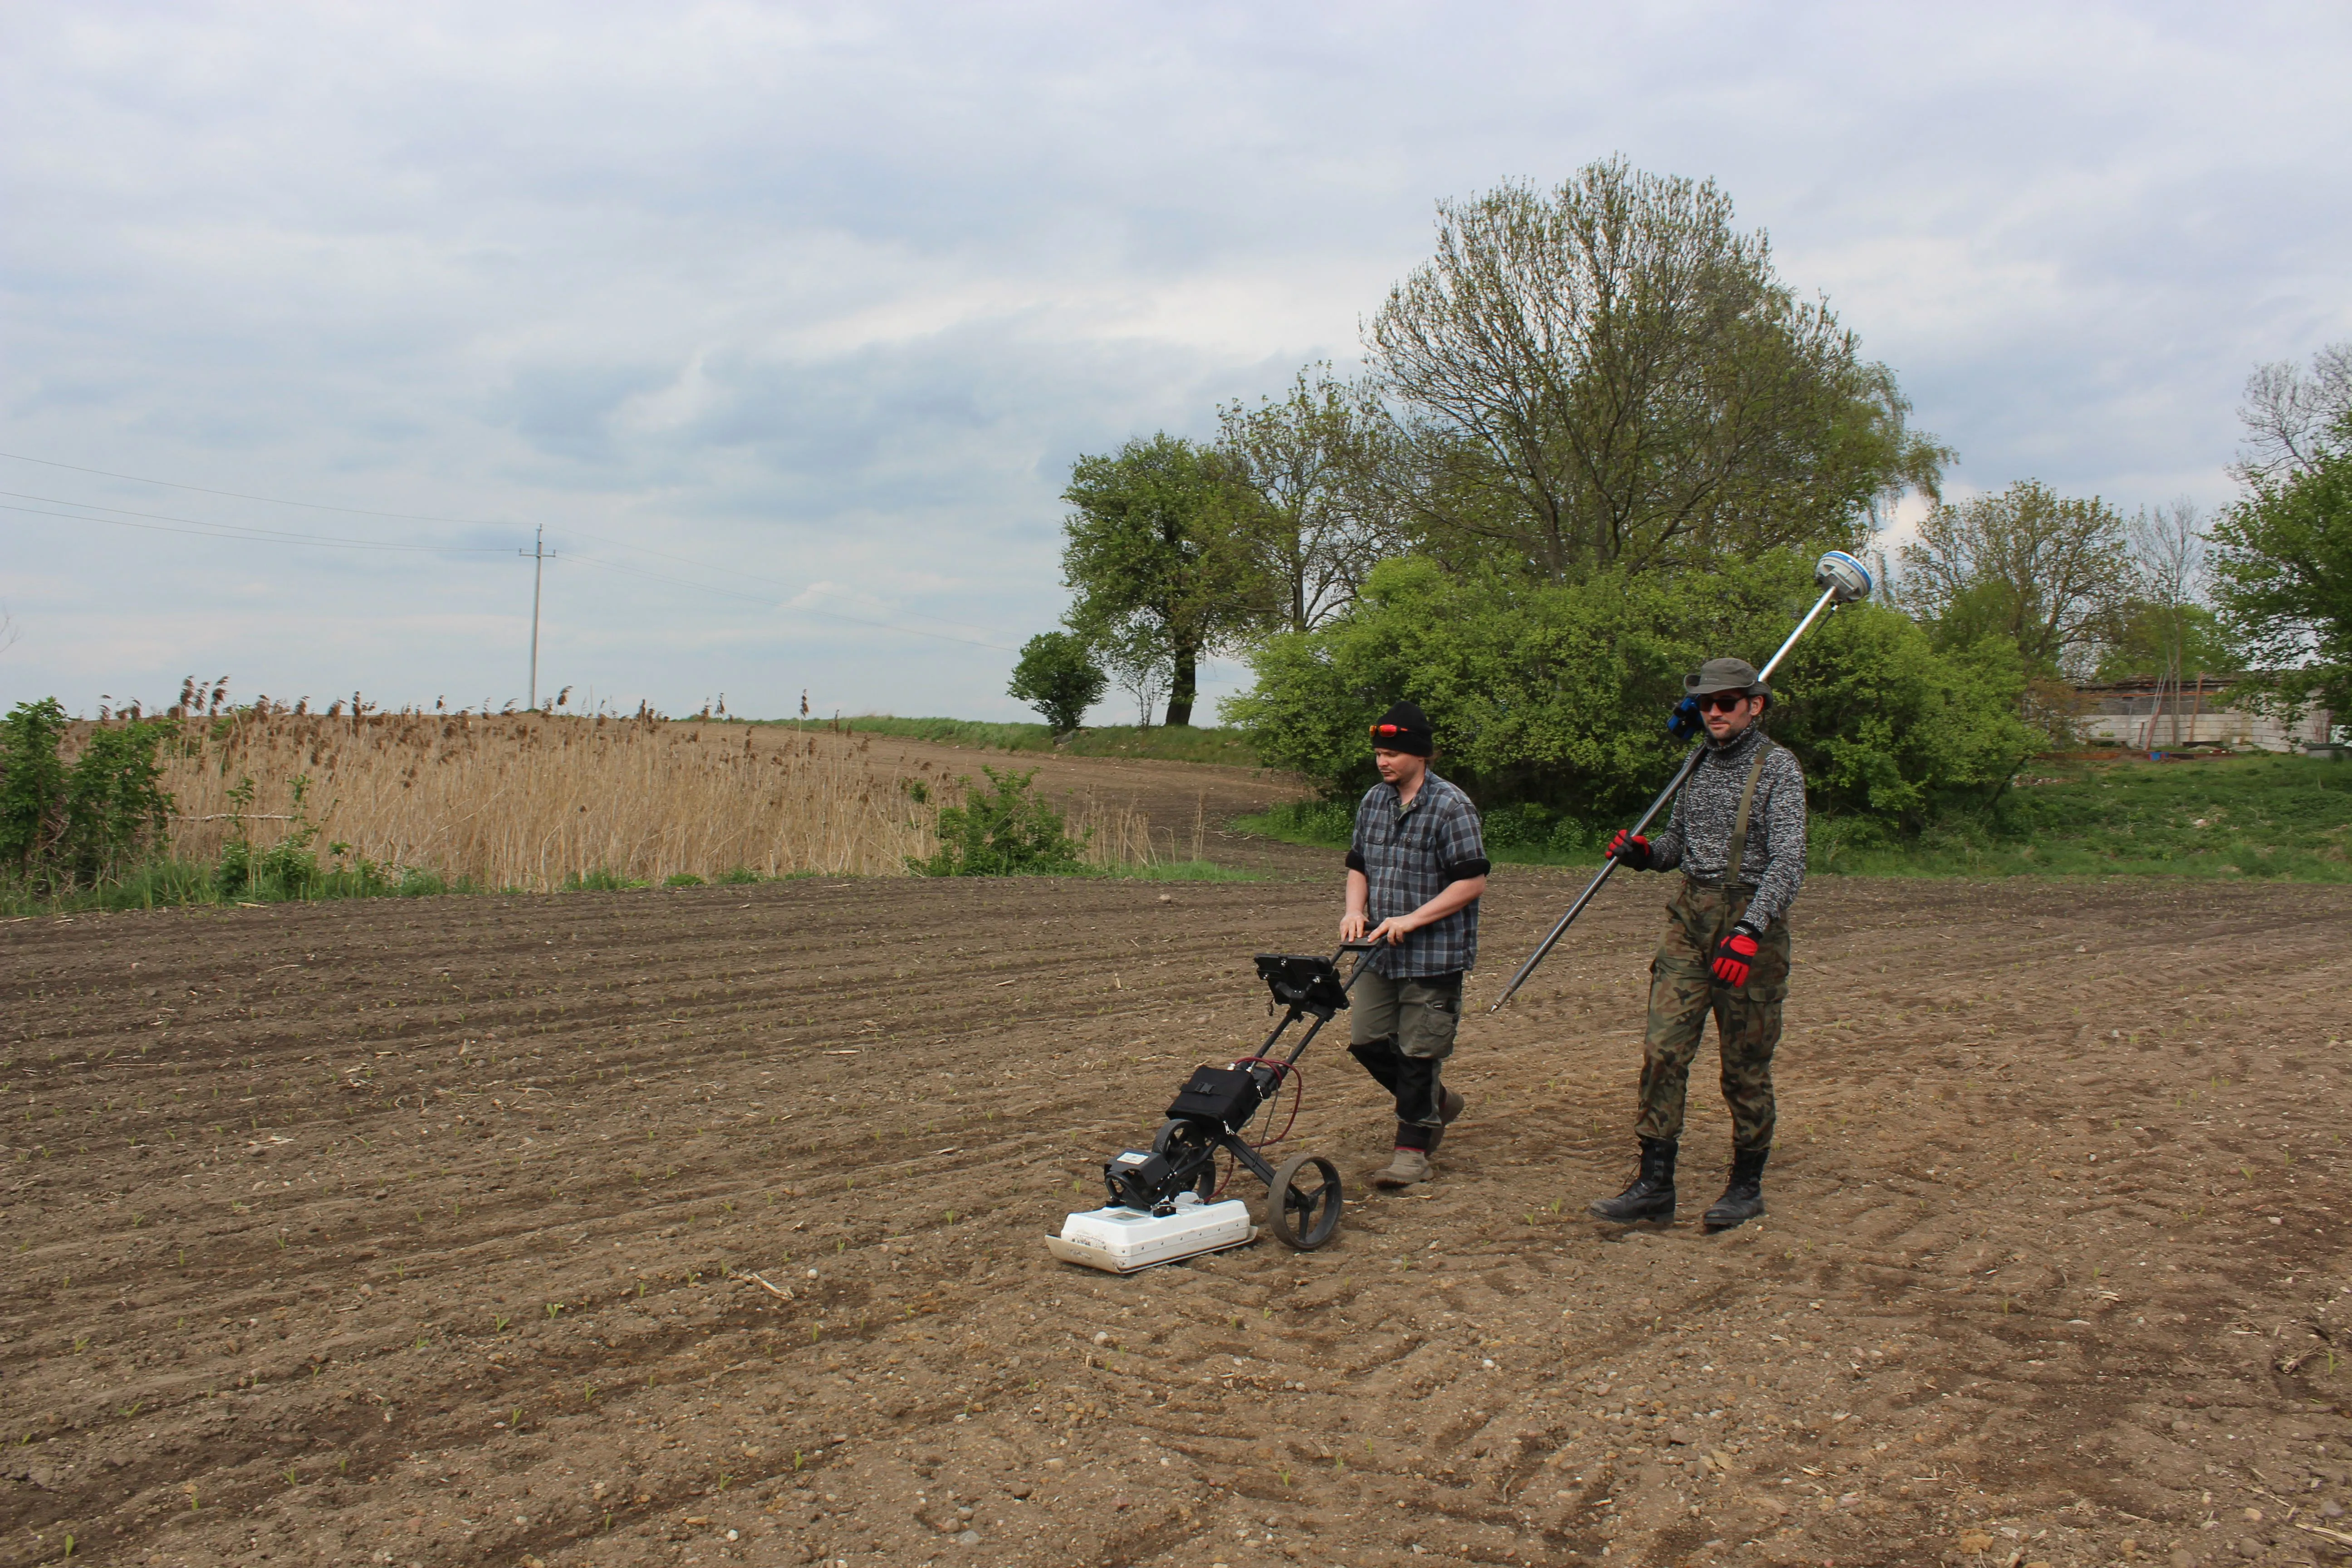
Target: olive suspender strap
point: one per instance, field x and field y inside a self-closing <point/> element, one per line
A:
<point x="1740" y="825"/>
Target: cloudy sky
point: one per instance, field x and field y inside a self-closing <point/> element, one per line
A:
<point x="785" y="323"/>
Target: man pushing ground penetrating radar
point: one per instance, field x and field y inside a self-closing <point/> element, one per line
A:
<point x="1415" y="872"/>
<point x="1737" y="836"/>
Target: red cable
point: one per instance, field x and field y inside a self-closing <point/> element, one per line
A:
<point x="1298" y="1097"/>
<point x="1282" y="1070"/>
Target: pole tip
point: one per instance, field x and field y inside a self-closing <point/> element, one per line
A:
<point x="1842" y="575"/>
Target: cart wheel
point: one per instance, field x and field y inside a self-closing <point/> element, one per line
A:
<point x="1178" y="1142"/>
<point x="1303" y="1203"/>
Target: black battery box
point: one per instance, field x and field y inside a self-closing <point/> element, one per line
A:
<point x="1228" y="1096"/>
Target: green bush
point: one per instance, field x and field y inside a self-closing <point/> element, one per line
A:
<point x="1558" y="696"/>
<point x="737" y="877"/>
<point x="66" y="827"/>
<point x="1003" y="830"/>
<point x="1058" y="677"/>
<point x="681" y="880"/>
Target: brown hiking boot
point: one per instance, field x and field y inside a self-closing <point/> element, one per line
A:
<point x="1409" y="1167"/>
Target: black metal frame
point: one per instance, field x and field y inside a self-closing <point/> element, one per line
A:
<point x="1188" y="1144"/>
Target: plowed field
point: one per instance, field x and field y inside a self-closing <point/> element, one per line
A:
<point x="419" y="1232"/>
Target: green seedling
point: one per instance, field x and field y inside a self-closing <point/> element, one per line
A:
<point x="498" y="1324"/>
<point x="554" y="1310"/>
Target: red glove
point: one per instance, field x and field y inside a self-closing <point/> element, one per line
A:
<point x="1631" y="849"/>
<point x="1736" y="956"/>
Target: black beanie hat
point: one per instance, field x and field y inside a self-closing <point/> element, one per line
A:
<point x="1404" y="728"/>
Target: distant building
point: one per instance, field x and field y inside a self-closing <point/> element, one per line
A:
<point x="2136" y="715"/>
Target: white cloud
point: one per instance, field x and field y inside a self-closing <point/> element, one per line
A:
<point x="832" y="295"/>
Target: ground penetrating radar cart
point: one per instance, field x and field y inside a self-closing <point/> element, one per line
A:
<point x="1167" y="1202"/>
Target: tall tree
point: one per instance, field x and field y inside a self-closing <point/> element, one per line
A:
<point x="2049" y="572"/>
<point x="1610" y="373"/>
<point x="2167" y="551"/>
<point x="1158" y="549"/>
<point x="2295" y="418"/>
<point x="1058" y="676"/>
<point x="2282" y="572"/>
<point x="1309" y="462"/>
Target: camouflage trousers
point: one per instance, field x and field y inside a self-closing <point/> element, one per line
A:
<point x="1684" y="990"/>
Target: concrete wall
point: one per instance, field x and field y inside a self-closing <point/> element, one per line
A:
<point x="2133" y="718"/>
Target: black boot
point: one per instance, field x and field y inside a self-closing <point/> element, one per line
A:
<point x="1743" y="1200"/>
<point x="1651" y="1195"/>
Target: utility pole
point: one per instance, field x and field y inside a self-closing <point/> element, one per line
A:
<point x="538" y="554"/>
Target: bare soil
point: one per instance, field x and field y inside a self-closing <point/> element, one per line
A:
<point x="419" y="1232"/>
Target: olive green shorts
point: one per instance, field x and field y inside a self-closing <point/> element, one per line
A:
<point x="1419" y="1014"/>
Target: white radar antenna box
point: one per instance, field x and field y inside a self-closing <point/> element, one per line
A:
<point x="1122" y="1240"/>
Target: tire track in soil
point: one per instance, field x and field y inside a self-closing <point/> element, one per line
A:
<point x="2052" y="1249"/>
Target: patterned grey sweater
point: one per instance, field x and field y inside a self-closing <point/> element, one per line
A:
<point x="1698" y="835"/>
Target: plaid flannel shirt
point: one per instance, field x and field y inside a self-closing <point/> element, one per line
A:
<point x="1410" y="853"/>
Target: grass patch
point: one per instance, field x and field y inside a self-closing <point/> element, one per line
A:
<point x="170" y="884"/>
<point x="1182" y="743"/>
<point x="2274" y="817"/>
<point x="174" y="884"/>
<point x="2279" y="818"/>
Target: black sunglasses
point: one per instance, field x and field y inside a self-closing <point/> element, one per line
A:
<point x="1721" y="701"/>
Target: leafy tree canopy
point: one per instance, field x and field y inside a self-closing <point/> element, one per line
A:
<point x="2150" y="638"/>
<point x="1158" y="551"/>
<point x="2048" y="572"/>
<point x="1611" y="373"/>
<point x="1559" y="694"/>
<point x="2282" y="572"/>
<point x="1309" y="465"/>
<point x="1058" y="677"/>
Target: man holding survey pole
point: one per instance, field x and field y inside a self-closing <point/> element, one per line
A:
<point x="1737" y="836"/>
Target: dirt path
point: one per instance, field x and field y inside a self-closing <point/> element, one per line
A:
<point x="401" y="1232"/>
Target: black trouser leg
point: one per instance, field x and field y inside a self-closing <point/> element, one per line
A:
<point x="1380" y="1058"/>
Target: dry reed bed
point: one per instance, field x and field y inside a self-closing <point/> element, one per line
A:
<point x="532" y="802"/>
